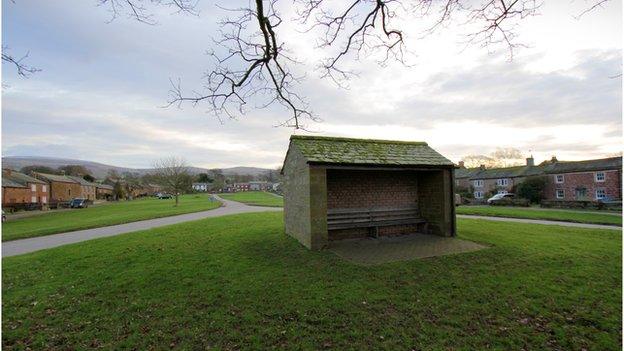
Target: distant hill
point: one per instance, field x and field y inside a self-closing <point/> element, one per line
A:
<point x="100" y="170"/>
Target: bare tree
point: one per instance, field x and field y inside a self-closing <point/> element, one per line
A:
<point x="252" y="63"/>
<point x="173" y="175"/>
<point x="502" y="157"/>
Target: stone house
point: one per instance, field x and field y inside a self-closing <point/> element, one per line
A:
<point x="584" y="180"/>
<point x="259" y="185"/>
<point x="103" y="192"/>
<point x="202" y="187"/>
<point x="19" y="188"/>
<point x="241" y="187"/>
<point x="338" y="188"/>
<point x="87" y="189"/>
<point x="62" y="188"/>
<point x="487" y="182"/>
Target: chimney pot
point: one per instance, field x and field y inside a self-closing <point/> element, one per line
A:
<point x="461" y="164"/>
<point x="553" y="159"/>
<point x="482" y="167"/>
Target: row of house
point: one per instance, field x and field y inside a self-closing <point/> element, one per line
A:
<point x="598" y="179"/>
<point x="43" y="189"/>
<point x="237" y="187"/>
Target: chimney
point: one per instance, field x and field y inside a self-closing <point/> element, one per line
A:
<point x="553" y="159"/>
<point x="461" y="164"/>
<point x="482" y="167"/>
<point x="530" y="161"/>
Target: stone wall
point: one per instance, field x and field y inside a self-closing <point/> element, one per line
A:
<point x="296" y="187"/>
<point x="435" y="195"/>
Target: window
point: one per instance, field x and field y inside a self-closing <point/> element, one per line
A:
<point x="559" y="178"/>
<point x="33" y="187"/>
<point x="502" y="182"/>
<point x="600" y="176"/>
<point x="69" y="192"/>
<point x="478" y="195"/>
<point x="33" y="199"/>
<point x="44" y="200"/>
<point x="457" y="182"/>
<point x="560" y="193"/>
<point x="478" y="183"/>
<point x="44" y="188"/>
<point x="600" y="194"/>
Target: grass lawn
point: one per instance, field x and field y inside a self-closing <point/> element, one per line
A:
<point x="534" y="213"/>
<point x="238" y="282"/>
<point x="103" y="215"/>
<point x="256" y="198"/>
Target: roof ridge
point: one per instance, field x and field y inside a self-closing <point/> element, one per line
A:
<point x="375" y="141"/>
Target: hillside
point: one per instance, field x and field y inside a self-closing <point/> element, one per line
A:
<point x="100" y="170"/>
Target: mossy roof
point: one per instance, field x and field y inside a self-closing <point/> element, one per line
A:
<point x="322" y="149"/>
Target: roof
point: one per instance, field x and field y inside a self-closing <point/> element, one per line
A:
<point x="56" y="178"/>
<point x="558" y="167"/>
<point x="20" y="178"/>
<point x="6" y="182"/>
<point x="603" y="164"/>
<point x="322" y="149"/>
<point x="466" y="172"/>
<point x="104" y="186"/>
<point x="82" y="181"/>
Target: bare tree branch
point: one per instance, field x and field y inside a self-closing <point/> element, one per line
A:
<point x="23" y="69"/>
<point x="250" y="65"/>
<point x="137" y="10"/>
<point x="594" y="6"/>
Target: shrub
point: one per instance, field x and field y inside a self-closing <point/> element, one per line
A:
<point x="532" y="189"/>
<point x="511" y="202"/>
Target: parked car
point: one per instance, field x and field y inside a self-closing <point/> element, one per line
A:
<point x="164" y="196"/>
<point x="78" y="203"/>
<point x="3" y="216"/>
<point x="499" y="197"/>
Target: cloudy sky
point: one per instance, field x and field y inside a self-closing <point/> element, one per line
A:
<point x="103" y="83"/>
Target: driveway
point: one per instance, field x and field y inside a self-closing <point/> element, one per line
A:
<point x="22" y="246"/>
<point x="540" y="221"/>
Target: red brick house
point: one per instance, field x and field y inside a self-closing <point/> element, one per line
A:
<point x="19" y="188"/>
<point x="584" y="180"/>
<point x="588" y="180"/>
<point x="62" y="188"/>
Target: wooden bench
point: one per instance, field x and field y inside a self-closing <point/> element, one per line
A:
<point x="373" y="218"/>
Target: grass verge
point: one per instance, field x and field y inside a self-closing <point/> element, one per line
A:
<point x="103" y="215"/>
<point x="551" y="215"/>
<point x="255" y="198"/>
<point x="238" y="282"/>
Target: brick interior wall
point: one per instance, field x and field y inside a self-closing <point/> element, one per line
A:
<point x="371" y="189"/>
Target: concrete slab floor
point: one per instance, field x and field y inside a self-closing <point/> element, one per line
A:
<point x="372" y="251"/>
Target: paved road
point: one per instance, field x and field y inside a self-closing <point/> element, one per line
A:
<point x="22" y="246"/>
<point x="539" y="221"/>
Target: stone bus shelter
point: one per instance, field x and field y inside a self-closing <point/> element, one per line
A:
<point x="341" y="188"/>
